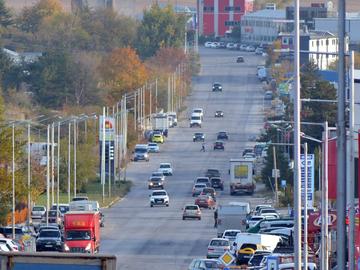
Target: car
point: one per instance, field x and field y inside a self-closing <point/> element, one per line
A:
<point x="80" y="198"/>
<point x="269" y="213"/>
<point x="250" y="48"/>
<point x="219" y="145"/>
<point x="198" y="111"/>
<point x="217" y="87"/>
<point x="191" y="211"/>
<point x="4" y="247"/>
<point x="214" y="45"/>
<point x="195" y="120"/>
<point x="205" y="201"/>
<point x="49" y="240"/>
<point x="230" y="46"/>
<point x="222" y="45"/>
<point x="259" y="51"/>
<point x="157" y="138"/>
<point x="10" y="244"/>
<point x="219" y="114"/>
<point x="247" y="151"/>
<point x="153" y="147"/>
<point x="209" y="191"/>
<point x="197" y="188"/>
<point x="251" y="222"/>
<point x="217" y="247"/>
<point x="155" y="182"/>
<point x="203" y="180"/>
<point x="267" y="210"/>
<point x="240" y="59"/>
<point x="230" y="235"/>
<point x="243" y="47"/>
<point x="166" y="168"/>
<point x="222" y="135"/>
<point x="260" y="206"/>
<point x="158" y="174"/>
<point x="20" y="232"/>
<point x="287" y="266"/>
<point x="38" y="211"/>
<point x="54" y="217"/>
<point x="216" y="182"/>
<point x="268" y="95"/>
<point x="141" y="152"/>
<point x="256" y="259"/>
<point x="208" y="44"/>
<point x="212" y="173"/>
<point x="205" y="264"/>
<point x="159" y="197"/>
<point x="249" y="155"/>
<point x="63" y="208"/>
<point x="198" y="136"/>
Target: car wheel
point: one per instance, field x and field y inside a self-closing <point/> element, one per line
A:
<point x="199" y="218"/>
<point x="167" y="205"/>
<point x="151" y="205"/>
<point x="183" y="218"/>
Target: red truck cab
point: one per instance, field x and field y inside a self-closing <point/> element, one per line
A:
<point x="82" y="232"/>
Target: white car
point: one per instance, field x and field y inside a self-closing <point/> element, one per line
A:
<point x="10" y="244"/>
<point x="158" y="174"/>
<point x="230" y="46"/>
<point x="4" y="248"/>
<point x="153" y="148"/>
<point x="253" y="220"/>
<point x="269" y="212"/>
<point x="166" y="168"/>
<point x="230" y="235"/>
<point x="199" y="111"/>
<point x="38" y="211"/>
<point x="208" y="44"/>
<point x="159" y="197"/>
<point x="217" y="247"/>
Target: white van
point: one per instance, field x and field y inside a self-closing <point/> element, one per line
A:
<point x="195" y="120"/>
<point x="198" y="111"/>
<point x="268" y="241"/>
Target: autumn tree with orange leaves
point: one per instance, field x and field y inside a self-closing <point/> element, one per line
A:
<point x="121" y="71"/>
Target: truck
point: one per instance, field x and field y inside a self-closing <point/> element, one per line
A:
<point x="82" y="232"/>
<point x="160" y="121"/>
<point x="56" y="261"/>
<point x="232" y="216"/>
<point x="241" y="176"/>
<point x="87" y="206"/>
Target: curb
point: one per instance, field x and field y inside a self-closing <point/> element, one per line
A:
<point x="117" y="199"/>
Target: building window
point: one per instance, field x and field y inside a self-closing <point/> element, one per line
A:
<point x="229" y="8"/>
<point x="209" y="9"/>
<point x="238" y="8"/>
<point x="232" y="23"/>
<point x="285" y="41"/>
<point x="327" y="42"/>
<point x="317" y="43"/>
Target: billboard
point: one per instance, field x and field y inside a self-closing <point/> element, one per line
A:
<point x="109" y="128"/>
<point x="241" y="171"/>
<point x="310" y="178"/>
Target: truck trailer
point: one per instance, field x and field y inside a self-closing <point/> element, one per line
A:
<point x="232" y="216"/>
<point x="241" y="176"/>
<point x="82" y="232"/>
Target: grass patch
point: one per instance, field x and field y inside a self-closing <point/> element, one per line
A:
<point x="94" y="192"/>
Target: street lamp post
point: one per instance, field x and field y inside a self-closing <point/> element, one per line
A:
<point x="29" y="172"/>
<point x="13" y="181"/>
<point x="69" y="162"/>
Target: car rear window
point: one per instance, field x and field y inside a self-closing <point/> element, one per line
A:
<point x="219" y="243"/>
<point x="231" y="233"/>
<point x="164" y="166"/>
<point x="211" y="264"/>
<point x="38" y="208"/>
<point x="202" y="180"/>
<point x="152" y="144"/>
<point x="200" y="186"/>
<point x="191" y="207"/>
<point x="159" y="193"/>
<point x="48" y="233"/>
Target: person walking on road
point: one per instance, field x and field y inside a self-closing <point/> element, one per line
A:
<point x="203" y="147"/>
<point x="215" y="218"/>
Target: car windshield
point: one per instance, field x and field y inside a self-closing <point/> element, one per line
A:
<point x="52" y="213"/>
<point x="202" y="180"/>
<point x="208" y="190"/>
<point x="152" y="144"/>
<point x="164" y="166"/>
<point x="222" y="133"/>
<point x="268" y="211"/>
<point x="198" y="134"/>
<point x="159" y="193"/>
<point x="231" y="233"/>
<point x="197" y="111"/>
<point x="219" y="243"/>
<point x="49" y="233"/>
<point x="140" y="150"/>
<point x="191" y="207"/>
<point x="257" y="218"/>
<point x="157" y="174"/>
<point x="252" y="246"/>
<point x="211" y="264"/>
<point x="78" y="235"/>
<point x="217" y="84"/>
<point x="200" y="186"/>
<point x="155" y="179"/>
<point x="215" y="180"/>
<point x="62" y="208"/>
<point x="213" y="171"/>
<point x="218" y="143"/>
<point x="38" y="208"/>
<point x="195" y="118"/>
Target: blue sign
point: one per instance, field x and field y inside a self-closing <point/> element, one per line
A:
<point x="272" y="263"/>
<point x="358" y="264"/>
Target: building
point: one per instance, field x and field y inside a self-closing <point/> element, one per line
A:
<point x="307" y="14"/>
<point x="217" y="17"/>
<point x="262" y="26"/>
<point x="321" y="43"/>
<point x="352" y="26"/>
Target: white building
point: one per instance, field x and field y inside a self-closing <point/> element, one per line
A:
<point x="262" y="26"/>
<point x="352" y="26"/>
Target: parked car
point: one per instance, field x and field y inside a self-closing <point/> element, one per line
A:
<point x="217" y="87"/>
<point x="159" y="197"/>
<point x="259" y="51"/>
<point x="243" y="47"/>
<point x="222" y="44"/>
<point x="205" y="264"/>
<point x="216" y="182"/>
<point x="251" y="222"/>
<point x="197" y="188"/>
<point x="38" y="211"/>
<point x="205" y="201"/>
<point x="198" y="136"/>
<point x="250" y="48"/>
<point x="191" y="211"/>
<point x="240" y="59"/>
<point x="219" y="114"/>
<point x="153" y="147"/>
<point x="230" y="46"/>
<point x="230" y="234"/>
<point x="219" y="145"/>
<point x="222" y="135"/>
<point x="217" y="247"/>
<point x="208" y="44"/>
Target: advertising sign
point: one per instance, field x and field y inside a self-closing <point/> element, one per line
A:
<point x="109" y="128"/>
<point x="272" y="263"/>
<point x="310" y="179"/>
<point x="241" y="171"/>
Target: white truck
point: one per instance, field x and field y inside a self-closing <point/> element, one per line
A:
<point x="160" y="122"/>
<point x="232" y="216"/>
<point x="241" y="176"/>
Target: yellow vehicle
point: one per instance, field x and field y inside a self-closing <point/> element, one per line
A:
<point x="157" y="138"/>
<point x="247" y="250"/>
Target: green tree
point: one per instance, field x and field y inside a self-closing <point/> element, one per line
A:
<point x="160" y="28"/>
<point x="5" y="16"/>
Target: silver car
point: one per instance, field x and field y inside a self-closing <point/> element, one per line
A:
<point x="217" y="247"/>
<point x="205" y="264"/>
<point x="197" y="189"/>
<point x="38" y="211"/>
<point x="191" y="211"/>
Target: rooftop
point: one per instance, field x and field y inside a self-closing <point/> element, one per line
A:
<point x="314" y="34"/>
<point x="268" y="13"/>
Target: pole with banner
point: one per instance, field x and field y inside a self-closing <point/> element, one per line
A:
<point x="102" y="136"/>
<point x="310" y="179"/>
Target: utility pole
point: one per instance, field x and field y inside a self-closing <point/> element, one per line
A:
<point x="305" y="207"/>
<point x="135" y="114"/>
<point x="156" y="95"/>
<point x="58" y="171"/>
<point x="150" y="99"/>
<point x="52" y="163"/>
<point x="103" y="155"/>
<point x="169" y="98"/>
<point x="29" y="172"/>
<point x="276" y="178"/>
<point x="48" y="175"/>
<point x="324" y="202"/>
<point x="109" y="161"/>
<point x="13" y="181"/>
<point x="341" y="145"/>
<point x="297" y="150"/>
<point x="69" y="164"/>
<point x="75" y="142"/>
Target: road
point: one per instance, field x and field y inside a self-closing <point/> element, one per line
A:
<point x="157" y="238"/>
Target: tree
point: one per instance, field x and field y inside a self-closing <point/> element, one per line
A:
<point x="236" y="33"/>
<point x="160" y="28"/>
<point x="32" y="17"/>
<point x="5" y="16"/>
<point x="122" y="71"/>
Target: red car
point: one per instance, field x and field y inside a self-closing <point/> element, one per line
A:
<point x="205" y="201"/>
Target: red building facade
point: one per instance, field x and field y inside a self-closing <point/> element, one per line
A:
<point x="218" y="16"/>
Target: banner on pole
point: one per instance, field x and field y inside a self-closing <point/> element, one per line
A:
<point x="310" y="178"/>
<point x="109" y="128"/>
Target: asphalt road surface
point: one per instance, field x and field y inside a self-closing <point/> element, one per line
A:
<point x="157" y="238"/>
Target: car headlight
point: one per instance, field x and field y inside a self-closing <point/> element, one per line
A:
<point x="58" y="242"/>
<point x="66" y="247"/>
<point x="151" y="184"/>
<point x="88" y="247"/>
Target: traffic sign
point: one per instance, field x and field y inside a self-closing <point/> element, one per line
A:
<point x="227" y="258"/>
